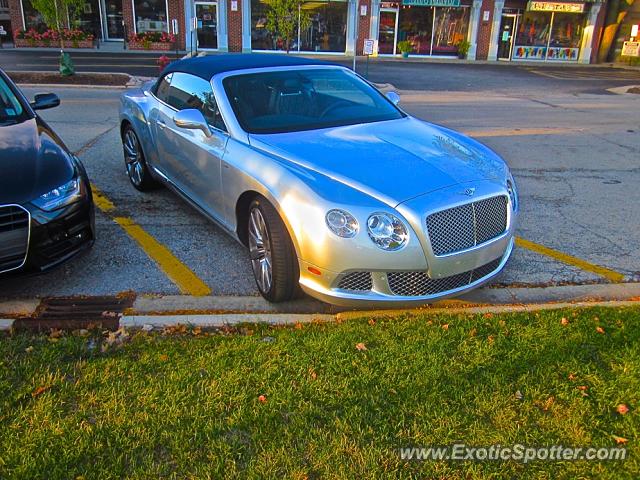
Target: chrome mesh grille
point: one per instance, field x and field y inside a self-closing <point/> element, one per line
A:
<point x="14" y="237"/>
<point x="356" y="281"/>
<point x="417" y="284"/>
<point x="463" y="227"/>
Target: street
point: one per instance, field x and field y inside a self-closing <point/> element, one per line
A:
<point x="573" y="148"/>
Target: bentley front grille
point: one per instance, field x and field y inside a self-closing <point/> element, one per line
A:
<point x="356" y="282"/>
<point x="468" y="225"/>
<point x="417" y="284"/>
<point x="14" y="237"/>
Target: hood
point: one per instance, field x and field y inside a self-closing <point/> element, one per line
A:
<point x="392" y="161"/>
<point x="33" y="161"/>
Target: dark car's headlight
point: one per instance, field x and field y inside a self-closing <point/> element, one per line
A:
<point x="61" y="196"/>
<point x="342" y="223"/>
<point x="387" y="231"/>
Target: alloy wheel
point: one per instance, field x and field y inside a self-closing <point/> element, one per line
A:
<point x="260" y="250"/>
<point x="133" y="158"/>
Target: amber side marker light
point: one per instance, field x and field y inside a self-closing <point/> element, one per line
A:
<point x="314" y="270"/>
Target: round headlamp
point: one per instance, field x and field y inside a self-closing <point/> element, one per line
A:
<point x="342" y="223"/>
<point x="387" y="231"/>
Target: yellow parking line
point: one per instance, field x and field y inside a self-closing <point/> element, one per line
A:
<point x="181" y="275"/>
<point x="570" y="260"/>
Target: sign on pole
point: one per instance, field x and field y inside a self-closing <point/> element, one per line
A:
<point x="631" y="49"/>
<point x="369" y="44"/>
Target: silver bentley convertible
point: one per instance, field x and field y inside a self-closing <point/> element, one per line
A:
<point x="327" y="182"/>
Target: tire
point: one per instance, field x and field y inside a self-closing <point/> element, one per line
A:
<point x="135" y="163"/>
<point x="269" y="242"/>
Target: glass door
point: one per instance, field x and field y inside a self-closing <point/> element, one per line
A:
<point x="113" y="27"/>
<point x="507" y="35"/>
<point x="387" y="31"/>
<point x="207" y="25"/>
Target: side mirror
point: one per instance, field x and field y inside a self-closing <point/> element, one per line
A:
<point x="192" y="119"/>
<point x="42" y="101"/>
<point x="393" y="97"/>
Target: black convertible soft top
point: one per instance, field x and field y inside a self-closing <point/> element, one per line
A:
<point x="210" y="65"/>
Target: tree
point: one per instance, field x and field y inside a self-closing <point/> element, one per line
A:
<point x="284" y="18"/>
<point x="54" y="12"/>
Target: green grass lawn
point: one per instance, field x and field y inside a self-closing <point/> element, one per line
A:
<point x="190" y="406"/>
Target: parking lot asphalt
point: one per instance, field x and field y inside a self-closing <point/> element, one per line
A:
<point x="574" y="156"/>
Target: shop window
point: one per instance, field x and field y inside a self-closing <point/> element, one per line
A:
<point x="567" y="30"/>
<point x="86" y="17"/>
<point x="327" y="31"/>
<point x="451" y="29"/>
<point x="32" y="18"/>
<point x="534" y="29"/>
<point x="415" y="25"/>
<point x="150" y="15"/>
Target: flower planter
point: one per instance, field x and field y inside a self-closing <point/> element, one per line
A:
<point x="150" y="46"/>
<point x="24" y="43"/>
<point x="405" y="54"/>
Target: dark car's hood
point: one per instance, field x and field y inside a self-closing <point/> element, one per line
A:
<point x="33" y="161"/>
<point x="392" y="160"/>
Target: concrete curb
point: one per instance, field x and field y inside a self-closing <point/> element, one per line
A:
<point x="159" y="311"/>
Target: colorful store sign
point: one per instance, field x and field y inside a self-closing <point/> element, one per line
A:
<point x="555" y="7"/>
<point x="432" y="3"/>
<point x="558" y="54"/>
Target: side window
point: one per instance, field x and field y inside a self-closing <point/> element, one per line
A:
<point x="189" y="91"/>
<point x="162" y="87"/>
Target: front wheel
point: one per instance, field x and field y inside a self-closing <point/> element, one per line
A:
<point x="273" y="258"/>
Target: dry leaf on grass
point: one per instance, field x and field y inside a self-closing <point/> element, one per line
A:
<point x="622" y="409"/>
<point x="262" y="399"/>
<point x="39" y="391"/>
<point x="445" y="326"/>
<point x="564" y="321"/>
<point x="600" y="330"/>
<point x="361" y="347"/>
<point x="620" y="440"/>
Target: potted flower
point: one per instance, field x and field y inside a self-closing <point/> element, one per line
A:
<point x="405" y="48"/>
<point x="463" y="48"/>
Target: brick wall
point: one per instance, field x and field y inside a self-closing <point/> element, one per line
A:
<point x="484" y="31"/>
<point x="364" y="23"/>
<point x="234" y="26"/>
<point x="176" y="11"/>
<point x="15" y="13"/>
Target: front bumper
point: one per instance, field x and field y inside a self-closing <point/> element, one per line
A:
<point x="324" y="287"/>
<point x="57" y="236"/>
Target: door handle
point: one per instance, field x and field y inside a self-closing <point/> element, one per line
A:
<point x="161" y="124"/>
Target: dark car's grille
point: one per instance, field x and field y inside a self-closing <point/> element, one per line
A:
<point x="415" y="284"/>
<point x="14" y="237"/>
<point x="463" y="227"/>
<point x="356" y="281"/>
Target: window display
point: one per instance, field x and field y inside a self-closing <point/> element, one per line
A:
<point x="150" y="15"/>
<point x="32" y="18"/>
<point x="327" y="30"/>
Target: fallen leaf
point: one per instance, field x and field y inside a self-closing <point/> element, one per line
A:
<point x="488" y="315"/>
<point x="582" y="387"/>
<point x="490" y="338"/>
<point x="197" y="331"/>
<point x="473" y="332"/>
<point x="262" y="399"/>
<point x="372" y="322"/>
<point x="361" y="346"/>
<point x="445" y="326"/>
<point x="572" y="376"/>
<point x="622" y="409"/>
<point x="600" y="330"/>
<point x="163" y="357"/>
<point x="313" y="374"/>
<point x="564" y="321"/>
<point x="518" y="395"/>
<point x="55" y="333"/>
<point x="29" y="349"/>
<point x="620" y="440"/>
<point x="298" y="326"/>
<point x="39" y="391"/>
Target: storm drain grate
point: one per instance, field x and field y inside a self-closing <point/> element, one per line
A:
<point x="72" y="313"/>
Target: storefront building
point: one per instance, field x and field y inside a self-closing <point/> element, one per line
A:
<point x="497" y="30"/>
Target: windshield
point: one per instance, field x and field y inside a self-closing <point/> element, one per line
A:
<point x="294" y="100"/>
<point x="11" y="110"/>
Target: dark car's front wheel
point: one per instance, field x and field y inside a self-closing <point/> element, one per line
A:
<point x="273" y="258"/>
<point x="135" y="163"/>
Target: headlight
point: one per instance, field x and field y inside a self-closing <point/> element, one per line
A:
<point x="513" y="195"/>
<point x="59" y="197"/>
<point x="342" y="223"/>
<point x="387" y="231"/>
